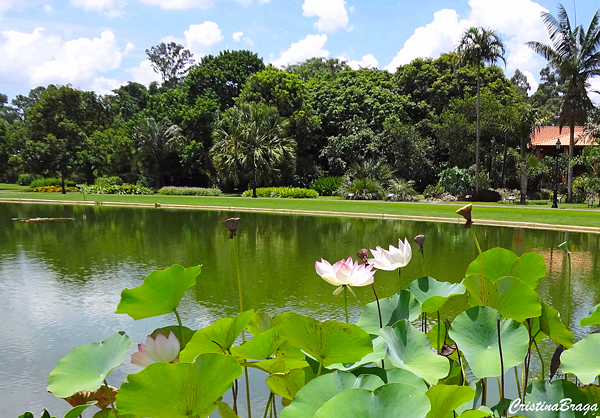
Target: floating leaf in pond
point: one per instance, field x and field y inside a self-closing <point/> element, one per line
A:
<point x="85" y="367"/>
<point x="500" y="262"/>
<point x="432" y="294"/>
<point x="582" y="359"/>
<point x="476" y="334"/>
<point x="593" y="318"/>
<point x="551" y="394"/>
<point x="160" y="293"/>
<point x="381" y="402"/>
<point x="408" y="348"/>
<point x="402" y="305"/>
<point x="179" y="390"/>
<point x="446" y="398"/>
<point x="330" y="341"/>
<point x="318" y="391"/>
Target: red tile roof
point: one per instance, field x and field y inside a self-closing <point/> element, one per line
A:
<point x="546" y="136"/>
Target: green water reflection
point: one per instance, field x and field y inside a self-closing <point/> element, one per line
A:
<point x="60" y="281"/>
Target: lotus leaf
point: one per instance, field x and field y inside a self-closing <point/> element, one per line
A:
<point x="402" y="305"/>
<point x="446" y="398"/>
<point x="499" y="262"/>
<point x="593" y="319"/>
<point x="550" y="325"/>
<point x="432" y="294"/>
<point x="287" y="384"/>
<point x="261" y="347"/>
<point x="377" y="355"/>
<point x="583" y="359"/>
<point x="552" y="394"/>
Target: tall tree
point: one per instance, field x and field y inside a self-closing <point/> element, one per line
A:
<point x="172" y="61"/>
<point x="575" y="54"/>
<point x="519" y="81"/>
<point x="252" y="145"/>
<point x="478" y="46"/>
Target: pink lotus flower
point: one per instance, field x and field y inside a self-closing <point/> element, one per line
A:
<point x="160" y="349"/>
<point x="345" y="273"/>
<point x="392" y="259"/>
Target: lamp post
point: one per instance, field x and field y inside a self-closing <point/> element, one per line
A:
<point x="554" y="202"/>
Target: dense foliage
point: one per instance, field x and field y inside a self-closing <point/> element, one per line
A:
<point x="283" y="192"/>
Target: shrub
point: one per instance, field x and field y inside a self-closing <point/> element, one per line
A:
<point x="433" y="192"/>
<point x="402" y="191"/>
<point x="54" y="189"/>
<point x="482" y="195"/>
<point x="25" y="179"/>
<point x="189" y="191"/>
<point x="51" y="181"/>
<point x="115" y="189"/>
<point x="361" y="189"/>
<point x="455" y="180"/>
<point x="586" y="186"/>
<point x="283" y="192"/>
<point x="109" y="181"/>
<point x="506" y="193"/>
<point x="326" y="186"/>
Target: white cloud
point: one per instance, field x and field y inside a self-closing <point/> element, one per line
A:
<point x="6" y="5"/>
<point x="430" y="40"/>
<point x="367" y="61"/>
<point x="48" y="8"/>
<point x="331" y="13"/>
<point x="103" y="85"/>
<point x="237" y="36"/>
<point x="143" y="73"/>
<point x="200" y="38"/>
<point x="594" y="88"/>
<point x="309" y="47"/>
<point x="532" y="82"/>
<point x="180" y="4"/>
<point x="112" y="8"/>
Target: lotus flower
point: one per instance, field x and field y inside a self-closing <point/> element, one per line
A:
<point x="160" y="349"/>
<point x="345" y="273"/>
<point x="392" y="259"/>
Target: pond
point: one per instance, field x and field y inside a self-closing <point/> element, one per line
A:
<point x="60" y="282"/>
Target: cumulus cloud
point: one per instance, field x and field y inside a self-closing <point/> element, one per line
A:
<point x="112" y="8"/>
<point x="309" y="47"/>
<point x="199" y="39"/>
<point x="143" y="73"/>
<point x="367" y="61"/>
<point x="180" y="4"/>
<point x="239" y="36"/>
<point x="103" y="85"/>
<point x="532" y="82"/>
<point x="332" y="14"/>
<point x="48" y="8"/>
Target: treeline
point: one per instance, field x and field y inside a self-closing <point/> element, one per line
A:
<point x="318" y="118"/>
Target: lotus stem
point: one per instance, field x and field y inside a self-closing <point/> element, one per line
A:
<point x="247" y="391"/>
<point x="527" y="358"/>
<point x="380" y="319"/>
<point x="569" y="285"/>
<point x="439" y="331"/>
<point x="484" y="391"/>
<point x="274" y="406"/>
<point x="267" y="408"/>
<point x="110" y="399"/>
<point x="346" y="303"/>
<point x="234" y="395"/>
<point x="239" y="275"/>
<point x="320" y="367"/>
<point x="424" y="322"/>
<point x="463" y="376"/>
<point x="501" y="366"/>
<point x="541" y="358"/>
<point x="482" y="270"/>
<point x="180" y="328"/>
<point x="517" y="380"/>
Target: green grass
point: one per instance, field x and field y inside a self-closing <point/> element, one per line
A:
<point x="568" y="214"/>
<point x="14" y="187"/>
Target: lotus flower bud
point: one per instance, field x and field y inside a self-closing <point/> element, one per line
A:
<point x="420" y="239"/>
<point x="363" y="254"/>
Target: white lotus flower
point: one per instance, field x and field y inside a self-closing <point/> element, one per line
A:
<point x="392" y="259"/>
<point x="155" y="350"/>
<point x="345" y="273"/>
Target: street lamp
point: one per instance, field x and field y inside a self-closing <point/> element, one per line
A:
<point x="554" y="202"/>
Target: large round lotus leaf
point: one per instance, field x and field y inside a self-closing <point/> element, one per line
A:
<point x="475" y="413"/>
<point x="402" y="305"/>
<point x="329" y="341"/>
<point x="78" y="410"/>
<point x="510" y="296"/>
<point x="260" y="322"/>
<point x="377" y="355"/>
<point x="86" y="366"/>
<point x="551" y="394"/>
<point x="550" y="325"/>
<point x="217" y="337"/>
<point x="261" y="347"/>
<point x="409" y="348"/>
<point x="318" y="391"/>
<point x="392" y="400"/>
<point x="287" y="384"/>
<point x="432" y="294"/>
<point x="593" y="319"/>
<point x="178" y="390"/>
<point x="583" y="359"/>
<point x="404" y="376"/>
<point x="160" y="293"/>
<point x="476" y="334"/>
<point x="499" y="262"/>
<point x="446" y="398"/>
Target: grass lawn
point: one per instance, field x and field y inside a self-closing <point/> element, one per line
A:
<point x="14" y="187"/>
<point x="568" y="214"/>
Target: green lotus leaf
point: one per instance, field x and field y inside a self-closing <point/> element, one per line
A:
<point x="260" y="322"/>
<point x="225" y="410"/>
<point x="377" y="355"/>
<point x="160" y="293"/>
<point x="288" y="384"/>
<point x="593" y="319"/>
<point x="278" y="365"/>
<point x="592" y="392"/>
<point x="510" y="296"/>
<point x="78" y="410"/>
<point x="381" y="402"/>
<point x="402" y="305"/>
<point x="85" y="367"/>
<point x="409" y="348"/>
<point x="482" y="412"/>
<point x="476" y="334"/>
<point x="553" y="394"/>
<point x="217" y="337"/>
<point x="187" y="334"/>
<point x="330" y="341"/>
<point x="550" y="325"/>
<point x="432" y="294"/>
<point x="178" y="390"/>
<point x="446" y="398"/>
<point x="582" y="359"/>
<point x="499" y="262"/>
<point x="318" y="391"/>
<point x="261" y="347"/>
<point x="432" y="335"/>
<point x="408" y="378"/>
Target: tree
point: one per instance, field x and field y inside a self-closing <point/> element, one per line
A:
<point x="519" y="81"/>
<point x="172" y="61"/>
<point x="477" y="46"/>
<point x="318" y="68"/>
<point x="548" y="96"/>
<point x="575" y="54"/>
<point x="252" y="145"/>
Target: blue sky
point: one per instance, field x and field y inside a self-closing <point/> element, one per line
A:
<point x="100" y="44"/>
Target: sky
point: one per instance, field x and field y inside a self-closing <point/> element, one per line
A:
<point x="100" y="44"/>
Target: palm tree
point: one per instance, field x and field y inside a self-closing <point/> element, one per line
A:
<point x="154" y="141"/>
<point x="477" y="46"/>
<point x="575" y="54"/>
<point x="252" y="144"/>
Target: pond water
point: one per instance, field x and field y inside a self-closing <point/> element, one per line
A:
<point x="60" y="282"/>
